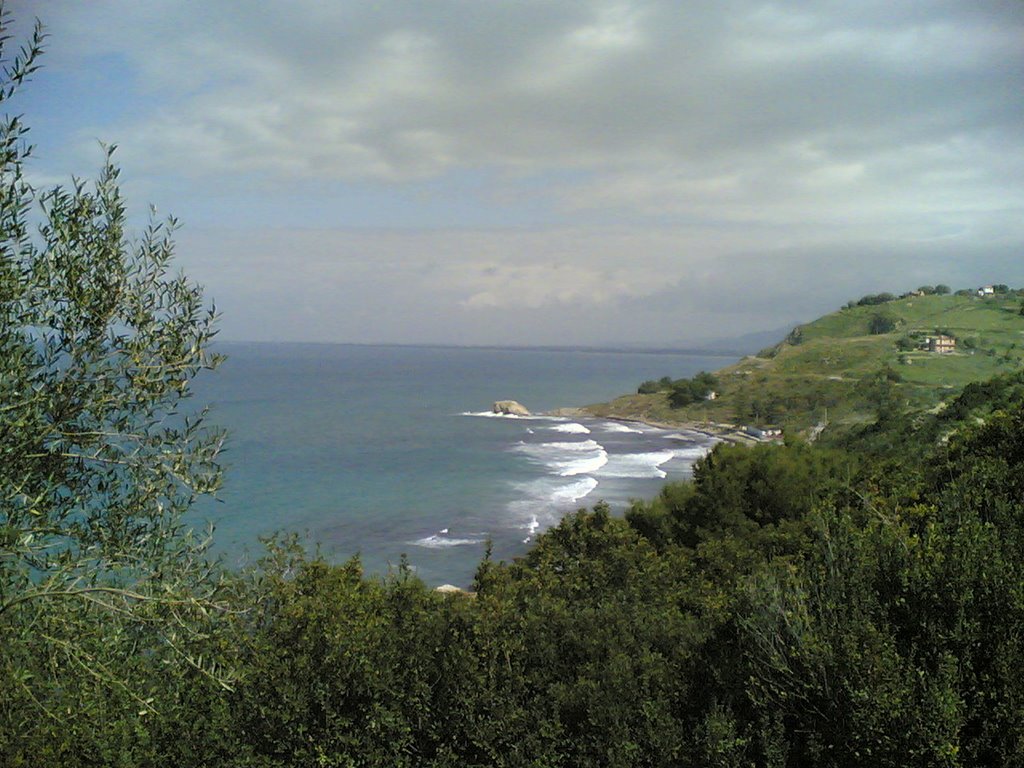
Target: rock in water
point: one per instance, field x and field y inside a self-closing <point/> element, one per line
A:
<point x="509" y="408"/>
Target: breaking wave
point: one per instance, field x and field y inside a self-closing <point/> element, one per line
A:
<point x="615" y="426"/>
<point x="492" y="415"/>
<point x="567" y="458"/>
<point x="440" y="541"/>
<point x="571" y="428"/>
<point x="637" y="464"/>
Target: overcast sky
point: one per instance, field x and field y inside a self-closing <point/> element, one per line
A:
<point x="527" y="172"/>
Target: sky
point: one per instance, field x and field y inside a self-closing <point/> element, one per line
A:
<point x="546" y="173"/>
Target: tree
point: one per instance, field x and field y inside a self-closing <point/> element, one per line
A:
<point x="881" y="323"/>
<point x="651" y="386"/>
<point x="99" y="457"/>
<point x="942" y="289"/>
<point x="873" y="299"/>
<point x="687" y="391"/>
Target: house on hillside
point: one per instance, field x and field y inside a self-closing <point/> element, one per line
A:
<point x="986" y="290"/>
<point x="944" y="345"/>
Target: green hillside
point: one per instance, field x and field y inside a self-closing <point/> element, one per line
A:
<point x="836" y="368"/>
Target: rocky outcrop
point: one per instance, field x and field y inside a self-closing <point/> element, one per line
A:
<point x="509" y="408"/>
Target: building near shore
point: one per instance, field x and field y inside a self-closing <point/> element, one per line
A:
<point x="941" y="344"/>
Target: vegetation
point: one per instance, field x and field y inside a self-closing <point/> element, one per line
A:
<point x="855" y="601"/>
<point x="105" y="598"/>
<point x="794" y="605"/>
<point x="825" y="369"/>
<point x="686" y="391"/>
<point x="651" y="387"/>
<point x="881" y="323"/>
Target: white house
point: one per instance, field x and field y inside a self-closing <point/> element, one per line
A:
<point x="944" y="345"/>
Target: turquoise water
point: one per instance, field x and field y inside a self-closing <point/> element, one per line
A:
<point x="383" y="450"/>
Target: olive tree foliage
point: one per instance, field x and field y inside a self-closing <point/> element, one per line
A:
<point x="99" y="456"/>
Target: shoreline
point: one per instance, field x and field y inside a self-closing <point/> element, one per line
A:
<point x="727" y="433"/>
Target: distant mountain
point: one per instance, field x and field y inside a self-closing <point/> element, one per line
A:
<point x="747" y="344"/>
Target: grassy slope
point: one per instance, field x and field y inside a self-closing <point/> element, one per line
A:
<point x="834" y="362"/>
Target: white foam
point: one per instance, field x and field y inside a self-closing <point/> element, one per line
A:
<point x="573" y="492"/>
<point x="543" y="501"/>
<point x="694" y="453"/>
<point x="637" y="464"/>
<point x="549" y="449"/>
<point x="571" y="428"/>
<point x="437" y="541"/>
<point x="615" y="426"/>
<point x="567" y="458"/>
<point x="492" y="415"/>
<point x="581" y="466"/>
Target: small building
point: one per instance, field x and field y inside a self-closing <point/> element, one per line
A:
<point x="986" y="290"/>
<point x="764" y="433"/>
<point x="712" y="395"/>
<point x="943" y="345"/>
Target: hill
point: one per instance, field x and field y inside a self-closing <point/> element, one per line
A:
<point x="847" y="366"/>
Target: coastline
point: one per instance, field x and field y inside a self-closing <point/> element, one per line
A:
<point x="727" y="433"/>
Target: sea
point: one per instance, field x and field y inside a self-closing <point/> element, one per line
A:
<point x="385" y="451"/>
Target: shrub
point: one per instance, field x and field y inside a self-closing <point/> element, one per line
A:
<point x="687" y="391"/>
<point x="906" y="344"/>
<point x="881" y="323"/>
<point x="875" y="298"/>
<point x="651" y="387"/>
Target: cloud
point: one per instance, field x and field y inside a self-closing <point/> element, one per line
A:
<point x="566" y="286"/>
<point x="388" y="91"/>
<point x="611" y="168"/>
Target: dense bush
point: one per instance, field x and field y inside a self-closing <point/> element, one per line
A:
<point x="875" y="298"/>
<point x="687" y="391"/>
<point x="907" y="343"/>
<point x="652" y="387"/>
<point x="881" y="323"/>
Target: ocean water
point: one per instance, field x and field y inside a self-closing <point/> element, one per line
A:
<point x="388" y="450"/>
